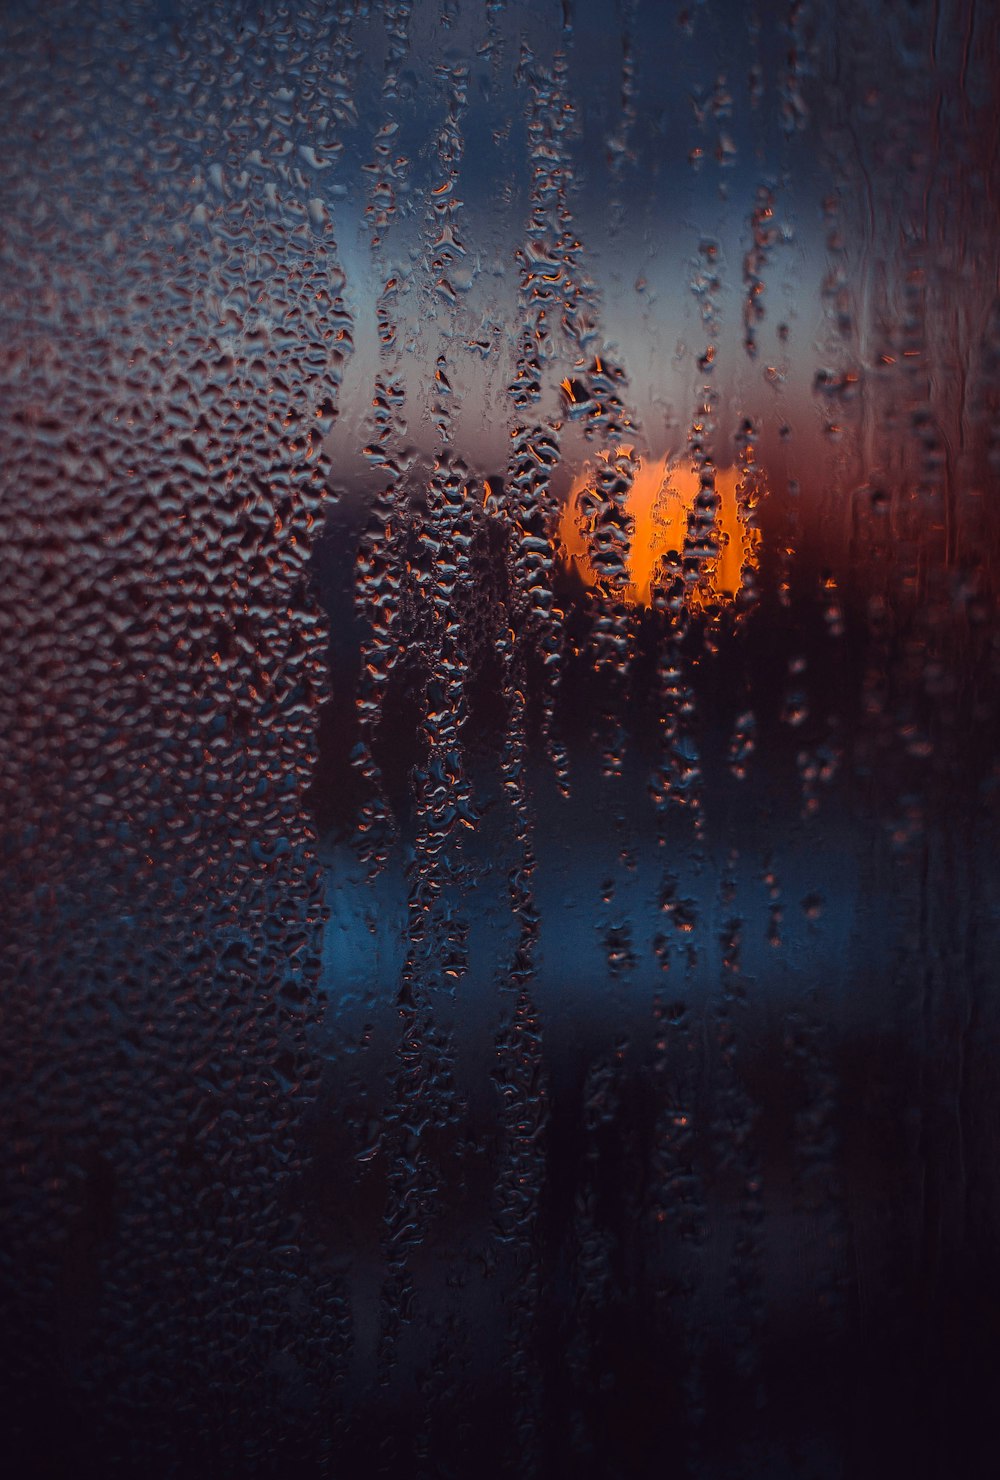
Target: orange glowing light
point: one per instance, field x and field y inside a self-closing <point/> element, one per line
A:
<point x="659" y="502"/>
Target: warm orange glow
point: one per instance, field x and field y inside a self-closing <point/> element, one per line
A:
<point x="659" y="502"/>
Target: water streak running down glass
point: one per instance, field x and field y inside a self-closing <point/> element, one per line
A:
<point x="501" y="538"/>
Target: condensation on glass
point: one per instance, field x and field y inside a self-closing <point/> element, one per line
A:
<point x="499" y="729"/>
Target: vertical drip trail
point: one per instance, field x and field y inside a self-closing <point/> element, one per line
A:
<point x="380" y="589"/>
<point x="439" y="525"/>
<point x="736" y="1155"/>
<point x="554" y="299"/>
<point x="553" y="280"/>
<point x="380" y="594"/>
<point x="521" y="1080"/>
<point x="595" y="1252"/>
<point x="534" y="627"/>
<point x="676" y="1224"/>
<point x="545" y="262"/>
<point x="763" y="237"/>
<point x="684" y="584"/>
<point x="620" y="152"/>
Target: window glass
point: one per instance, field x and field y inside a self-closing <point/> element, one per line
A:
<point x="499" y="729"/>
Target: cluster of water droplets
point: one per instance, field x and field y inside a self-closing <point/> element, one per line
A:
<point x="230" y="1208"/>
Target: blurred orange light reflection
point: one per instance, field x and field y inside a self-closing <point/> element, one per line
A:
<point x="659" y="502"/>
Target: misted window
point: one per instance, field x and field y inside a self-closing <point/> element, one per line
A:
<point x="500" y="542"/>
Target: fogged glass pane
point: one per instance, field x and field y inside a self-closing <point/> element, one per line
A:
<point x="500" y="682"/>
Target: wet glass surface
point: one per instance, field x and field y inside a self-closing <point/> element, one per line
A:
<point x="500" y="534"/>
